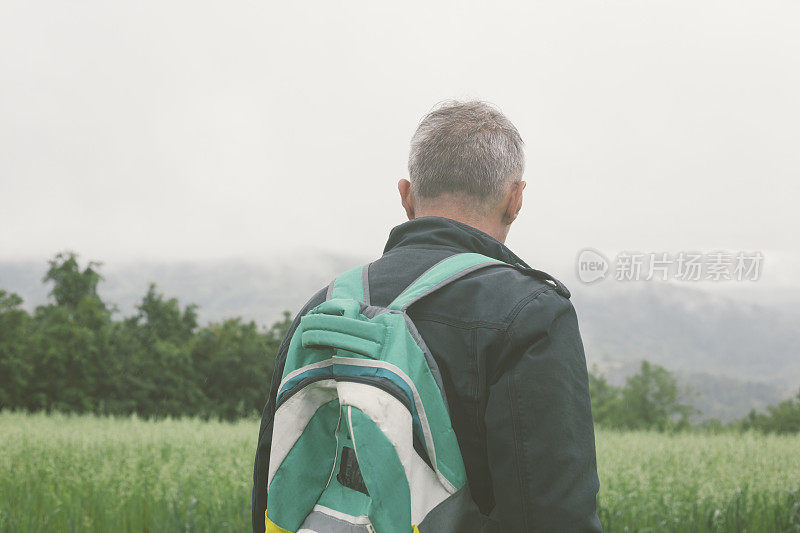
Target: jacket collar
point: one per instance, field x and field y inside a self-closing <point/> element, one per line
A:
<point x="449" y="233"/>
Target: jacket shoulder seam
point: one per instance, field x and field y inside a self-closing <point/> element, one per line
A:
<point x="512" y="315"/>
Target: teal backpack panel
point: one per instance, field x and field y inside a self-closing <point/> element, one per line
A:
<point x="362" y="438"/>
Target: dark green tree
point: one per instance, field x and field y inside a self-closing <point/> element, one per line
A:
<point x="16" y="367"/>
<point x="221" y="352"/>
<point x="781" y="418"/>
<point x="70" y="340"/>
<point x="606" y="400"/>
<point x="651" y="400"/>
<point x="71" y="285"/>
<point x="157" y="372"/>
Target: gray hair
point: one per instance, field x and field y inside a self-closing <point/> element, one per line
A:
<point x="465" y="148"/>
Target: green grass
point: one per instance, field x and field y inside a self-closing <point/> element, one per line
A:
<point x="72" y="473"/>
<point x="65" y="473"/>
<point x="699" y="482"/>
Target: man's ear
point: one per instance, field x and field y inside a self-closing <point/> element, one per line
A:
<point x="514" y="204"/>
<point x="406" y="198"/>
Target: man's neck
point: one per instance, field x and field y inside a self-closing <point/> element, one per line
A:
<point x="497" y="230"/>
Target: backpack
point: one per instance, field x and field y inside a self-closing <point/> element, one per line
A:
<point x="362" y="440"/>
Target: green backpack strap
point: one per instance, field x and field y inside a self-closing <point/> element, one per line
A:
<point x="440" y="274"/>
<point x="351" y="284"/>
<point x="354" y="283"/>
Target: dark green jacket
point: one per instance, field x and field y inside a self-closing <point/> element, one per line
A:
<point x="508" y="346"/>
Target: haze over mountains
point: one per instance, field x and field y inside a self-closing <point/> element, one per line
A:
<point x="732" y="355"/>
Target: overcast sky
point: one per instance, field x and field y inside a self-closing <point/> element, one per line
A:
<point x="198" y="130"/>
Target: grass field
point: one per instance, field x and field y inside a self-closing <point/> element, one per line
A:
<point x="63" y="473"/>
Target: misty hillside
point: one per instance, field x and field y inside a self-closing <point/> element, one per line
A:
<point x="258" y="291"/>
<point x="731" y="356"/>
<point x="689" y="331"/>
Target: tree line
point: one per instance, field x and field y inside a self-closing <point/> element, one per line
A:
<point x="652" y="399"/>
<point x="73" y="355"/>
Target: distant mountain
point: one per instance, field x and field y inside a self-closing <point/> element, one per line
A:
<point x="255" y="290"/>
<point x="727" y="398"/>
<point x="688" y="331"/>
<point x="734" y="355"/>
